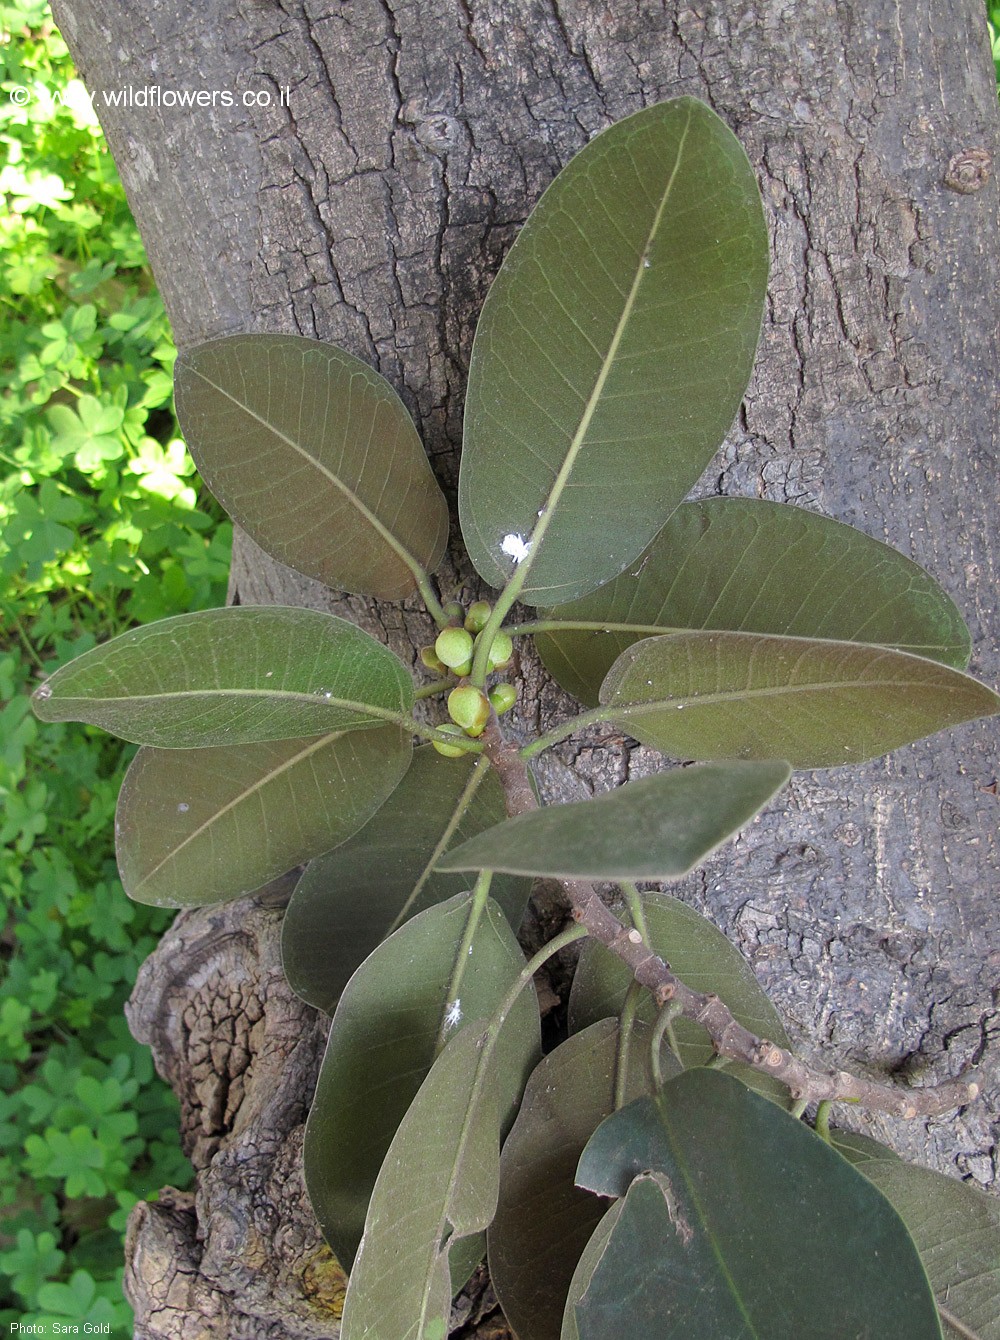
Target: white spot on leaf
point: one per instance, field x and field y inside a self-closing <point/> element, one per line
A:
<point x="516" y="547"/>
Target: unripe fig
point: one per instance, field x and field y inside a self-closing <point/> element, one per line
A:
<point x="432" y="660"/>
<point x="479" y="612"/>
<point x="503" y="697"/>
<point x="454" y="611"/>
<point x="450" y="750"/>
<point x="454" y="647"/>
<point x="501" y="652"/>
<point x="469" y="708"/>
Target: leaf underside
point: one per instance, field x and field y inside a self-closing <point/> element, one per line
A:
<point x="612" y="352"/>
<point x="315" y="456"/>
<point x="957" y="1231"/>
<point x="382" y="1043"/>
<point x="439" y="1183"/>
<point x="656" y="828"/>
<point x="747" y="565"/>
<point x="197" y="826"/>
<point x="349" y="900"/>
<point x="705" y="695"/>
<point x="231" y="676"/>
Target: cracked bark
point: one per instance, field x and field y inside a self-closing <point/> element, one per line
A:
<point x="373" y="211"/>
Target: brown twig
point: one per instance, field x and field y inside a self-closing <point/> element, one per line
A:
<point x="729" y="1038"/>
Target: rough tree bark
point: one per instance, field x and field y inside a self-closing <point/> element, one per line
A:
<point x="372" y="210"/>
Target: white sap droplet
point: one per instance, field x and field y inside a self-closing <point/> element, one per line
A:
<point x="516" y="547"/>
<point x="646" y="263"/>
<point x="43" y="692"/>
<point x="183" y="807"/>
<point x="269" y="674"/>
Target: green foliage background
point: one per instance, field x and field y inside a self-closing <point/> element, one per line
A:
<point x="102" y="526"/>
<point x="99" y="530"/>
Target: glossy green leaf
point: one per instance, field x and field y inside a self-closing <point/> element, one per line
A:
<point x="612" y="353"/>
<point x="198" y="826"/>
<point x="957" y="1231"/>
<point x="439" y="1182"/>
<point x="353" y="897"/>
<point x="231" y="676"/>
<point x="817" y="704"/>
<point x="705" y="960"/>
<point x="738" y="1222"/>
<point x="315" y="456"/>
<point x="746" y="565"/>
<point x="656" y="828"/>
<point x="543" y="1220"/>
<point x="399" y="1005"/>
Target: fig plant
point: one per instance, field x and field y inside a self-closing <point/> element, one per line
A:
<point x="652" y="1175"/>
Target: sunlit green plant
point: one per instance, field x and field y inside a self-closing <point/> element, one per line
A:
<point x="97" y="493"/>
<point x="748" y="637"/>
<point x="98" y="529"/>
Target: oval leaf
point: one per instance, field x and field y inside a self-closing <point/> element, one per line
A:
<point x="440" y="1180"/>
<point x="349" y="900"/>
<point x="543" y="1220"/>
<point x="740" y="1222"/>
<point x="705" y="960"/>
<point x="656" y="828"/>
<point x="613" y="351"/>
<point x="315" y="456"/>
<point x="746" y="565"/>
<point x="957" y="1231"/>
<point x="817" y="704"/>
<point x="231" y="676"/>
<point x="198" y="826"/>
<point x="391" y="1018"/>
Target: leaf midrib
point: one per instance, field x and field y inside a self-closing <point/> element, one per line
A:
<point x="317" y="698"/>
<point x="314" y="747"/>
<point x="461" y="1144"/>
<point x="556" y="626"/>
<point x="519" y="578"/>
<point x="479" y="771"/>
<point x="690" y="1185"/>
<point x="636" y="708"/>
<point x="364" y="512"/>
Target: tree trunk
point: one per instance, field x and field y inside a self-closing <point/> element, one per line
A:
<point x="369" y="204"/>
